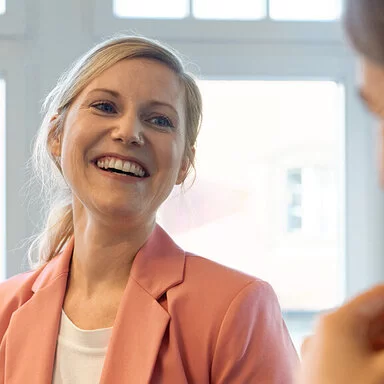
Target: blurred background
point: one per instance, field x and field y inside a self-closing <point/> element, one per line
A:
<point x="286" y="185"/>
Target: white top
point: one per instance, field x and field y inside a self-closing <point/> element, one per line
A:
<point x="80" y="353"/>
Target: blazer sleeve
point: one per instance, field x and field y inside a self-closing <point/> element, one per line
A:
<point x="2" y="360"/>
<point x="253" y="344"/>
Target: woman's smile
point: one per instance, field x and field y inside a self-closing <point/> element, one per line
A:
<point x="129" y="124"/>
<point x="125" y="167"/>
<point x="126" y="173"/>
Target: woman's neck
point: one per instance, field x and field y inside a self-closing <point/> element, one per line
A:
<point x="104" y="253"/>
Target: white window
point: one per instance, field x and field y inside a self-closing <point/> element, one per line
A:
<point x="2" y="179"/>
<point x="2" y="7"/>
<point x="312" y="200"/>
<point x="305" y="9"/>
<point x="236" y="211"/>
<point x="239" y="10"/>
<point x="205" y="20"/>
<point x="151" y="8"/>
<point x="294" y="200"/>
<point x="254" y="134"/>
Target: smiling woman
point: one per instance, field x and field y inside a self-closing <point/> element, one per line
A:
<point x="109" y="289"/>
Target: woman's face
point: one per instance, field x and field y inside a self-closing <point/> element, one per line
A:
<point x="372" y="93"/>
<point x="122" y="147"/>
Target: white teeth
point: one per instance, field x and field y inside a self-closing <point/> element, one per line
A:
<point x="127" y="166"/>
<point x="118" y="164"/>
<point x="112" y="162"/>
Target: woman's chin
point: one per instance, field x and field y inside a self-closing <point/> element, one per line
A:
<point x="118" y="213"/>
<point x="114" y="213"/>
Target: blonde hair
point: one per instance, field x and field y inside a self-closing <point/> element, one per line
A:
<point x="57" y="196"/>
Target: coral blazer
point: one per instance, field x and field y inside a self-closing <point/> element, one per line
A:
<point x="182" y="319"/>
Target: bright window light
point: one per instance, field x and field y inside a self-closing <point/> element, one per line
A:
<point x="305" y="9"/>
<point x="2" y="7"/>
<point x="267" y="195"/>
<point x="230" y="10"/>
<point x="2" y="179"/>
<point x="152" y="9"/>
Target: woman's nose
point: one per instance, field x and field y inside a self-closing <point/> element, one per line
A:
<point x="129" y="130"/>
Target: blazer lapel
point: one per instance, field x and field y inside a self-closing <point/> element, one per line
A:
<point x="141" y="320"/>
<point x="136" y="338"/>
<point x="139" y="326"/>
<point x="32" y="332"/>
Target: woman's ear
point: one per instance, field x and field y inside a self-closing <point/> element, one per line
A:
<point x="185" y="166"/>
<point x="54" y="137"/>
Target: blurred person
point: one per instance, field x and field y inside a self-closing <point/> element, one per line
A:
<point x="348" y="344"/>
<point x="111" y="298"/>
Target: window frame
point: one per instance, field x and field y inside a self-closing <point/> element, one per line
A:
<point x="106" y="24"/>
<point x="13" y="21"/>
<point x="17" y="149"/>
<point x="305" y="63"/>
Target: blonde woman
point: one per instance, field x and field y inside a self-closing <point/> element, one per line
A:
<point x="112" y="298"/>
<point x="348" y="344"/>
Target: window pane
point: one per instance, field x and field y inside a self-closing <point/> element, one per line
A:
<point x="295" y="190"/>
<point x="2" y="179"/>
<point x="305" y="9"/>
<point x="153" y="9"/>
<point x="2" y="6"/>
<point x="219" y="9"/>
<point x="268" y="194"/>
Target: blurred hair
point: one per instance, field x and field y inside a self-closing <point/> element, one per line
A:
<point x="364" y="24"/>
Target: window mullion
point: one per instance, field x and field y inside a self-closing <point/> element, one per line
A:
<point x="267" y="8"/>
<point x="191" y="14"/>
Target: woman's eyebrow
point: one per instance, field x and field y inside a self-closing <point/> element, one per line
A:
<point x="105" y="90"/>
<point x="152" y="103"/>
<point x="155" y="103"/>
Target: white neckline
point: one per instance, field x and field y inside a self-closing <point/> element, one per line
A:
<point x="87" y="338"/>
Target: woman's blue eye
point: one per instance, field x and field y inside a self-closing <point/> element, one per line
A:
<point x="105" y="107"/>
<point x="162" y="121"/>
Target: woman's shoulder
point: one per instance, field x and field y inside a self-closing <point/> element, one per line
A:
<point x="20" y="288"/>
<point x="213" y="278"/>
<point x="17" y="289"/>
<point x="14" y="293"/>
<point x="215" y="295"/>
<point x="204" y="268"/>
